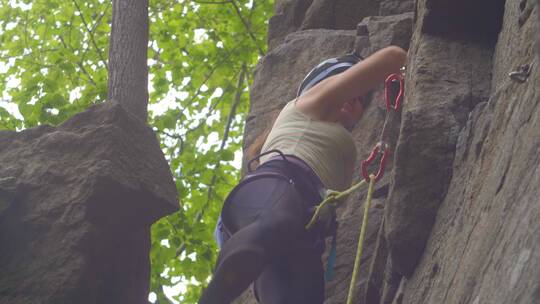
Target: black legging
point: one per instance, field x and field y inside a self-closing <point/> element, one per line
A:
<point x="269" y="244"/>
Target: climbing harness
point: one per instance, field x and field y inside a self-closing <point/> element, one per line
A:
<point x="332" y="197"/>
<point x="221" y="232"/>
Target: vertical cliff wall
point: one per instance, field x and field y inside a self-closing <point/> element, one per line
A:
<point x="457" y="217"/>
<point x="469" y="66"/>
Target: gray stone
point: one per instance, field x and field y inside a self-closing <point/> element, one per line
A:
<point x="295" y="15"/>
<point x="441" y="91"/>
<point x="288" y="18"/>
<point x="338" y="14"/>
<point x="320" y="15"/>
<point x="77" y="202"/>
<point x="461" y="216"/>
<point x="486" y="229"/>
<point x="373" y="293"/>
<point x="395" y="7"/>
<point x="7" y="192"/>
<point x="538" y="28"/>
<point x="384" y="31"/>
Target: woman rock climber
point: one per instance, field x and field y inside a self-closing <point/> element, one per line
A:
<point x="264" y="216"/>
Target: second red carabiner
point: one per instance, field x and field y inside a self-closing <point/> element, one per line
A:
<point x="365" y="163"/>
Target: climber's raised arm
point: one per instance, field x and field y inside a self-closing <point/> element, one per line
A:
<point x="325" y="100"/>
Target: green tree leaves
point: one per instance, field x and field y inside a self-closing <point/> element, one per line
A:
<point x="53" y="64"/>
<point x="48" y="53"/>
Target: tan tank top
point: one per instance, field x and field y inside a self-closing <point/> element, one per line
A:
<point x="327" y="147"/>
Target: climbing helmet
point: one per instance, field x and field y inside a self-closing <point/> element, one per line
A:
<point x="327" y="68"/>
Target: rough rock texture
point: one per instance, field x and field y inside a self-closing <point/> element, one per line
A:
<point x="456" y="218"/>
<point x="394" y="7"/>
<point x="387" y="30"/>
<point x="288" y="18"/>
<point x="338" y="14"/>
<point x="294" y="15"/>
<point x="483" y="247"/>
<point x="433" y="115"/>
<point x="76" y="205"/>
<point x="538" y="28"/>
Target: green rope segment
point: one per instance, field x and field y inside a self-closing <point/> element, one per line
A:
<point x="332" y="197"/>
<point x="361" y="240"/>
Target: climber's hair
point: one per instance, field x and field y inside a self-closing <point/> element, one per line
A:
<point x="255" y="148"/>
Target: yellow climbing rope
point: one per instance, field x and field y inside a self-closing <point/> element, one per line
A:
<point x="361" y="240"/>
<point x="333" y="197"/>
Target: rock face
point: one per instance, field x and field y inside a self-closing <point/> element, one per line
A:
<point x="295" y="15"/>
<point x="456" y="218"/>
<point x="76" y="205"/>
<point x="485" y="232"/>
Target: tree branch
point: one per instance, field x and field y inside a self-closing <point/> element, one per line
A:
<point x="239" y="13"/>
<point x="232" y="114"/>
<point x="81" y="66"/>
<point x="230" y="119"/>
<point x="98" y="21"/>
<point x="175" y="136"/>
<point x="212" y="108"/>
<point x="248" y="29"/>
<point x="92" y="38"/>
<point x="202" y="123"/>
<point x="251" y="12"/>
<point x="26" y="30"/>
<point x="211" y="2"/>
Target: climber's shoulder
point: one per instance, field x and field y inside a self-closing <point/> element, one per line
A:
<point x="326" y="99"/>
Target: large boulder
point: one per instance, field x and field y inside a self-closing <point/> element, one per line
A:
<point x="76" y="205"/>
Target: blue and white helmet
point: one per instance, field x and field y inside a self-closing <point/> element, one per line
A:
<point x="327" y="68"/>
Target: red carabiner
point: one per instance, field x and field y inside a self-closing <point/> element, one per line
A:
<point x="387" y="91"/>
<point x="371" y="158"/>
